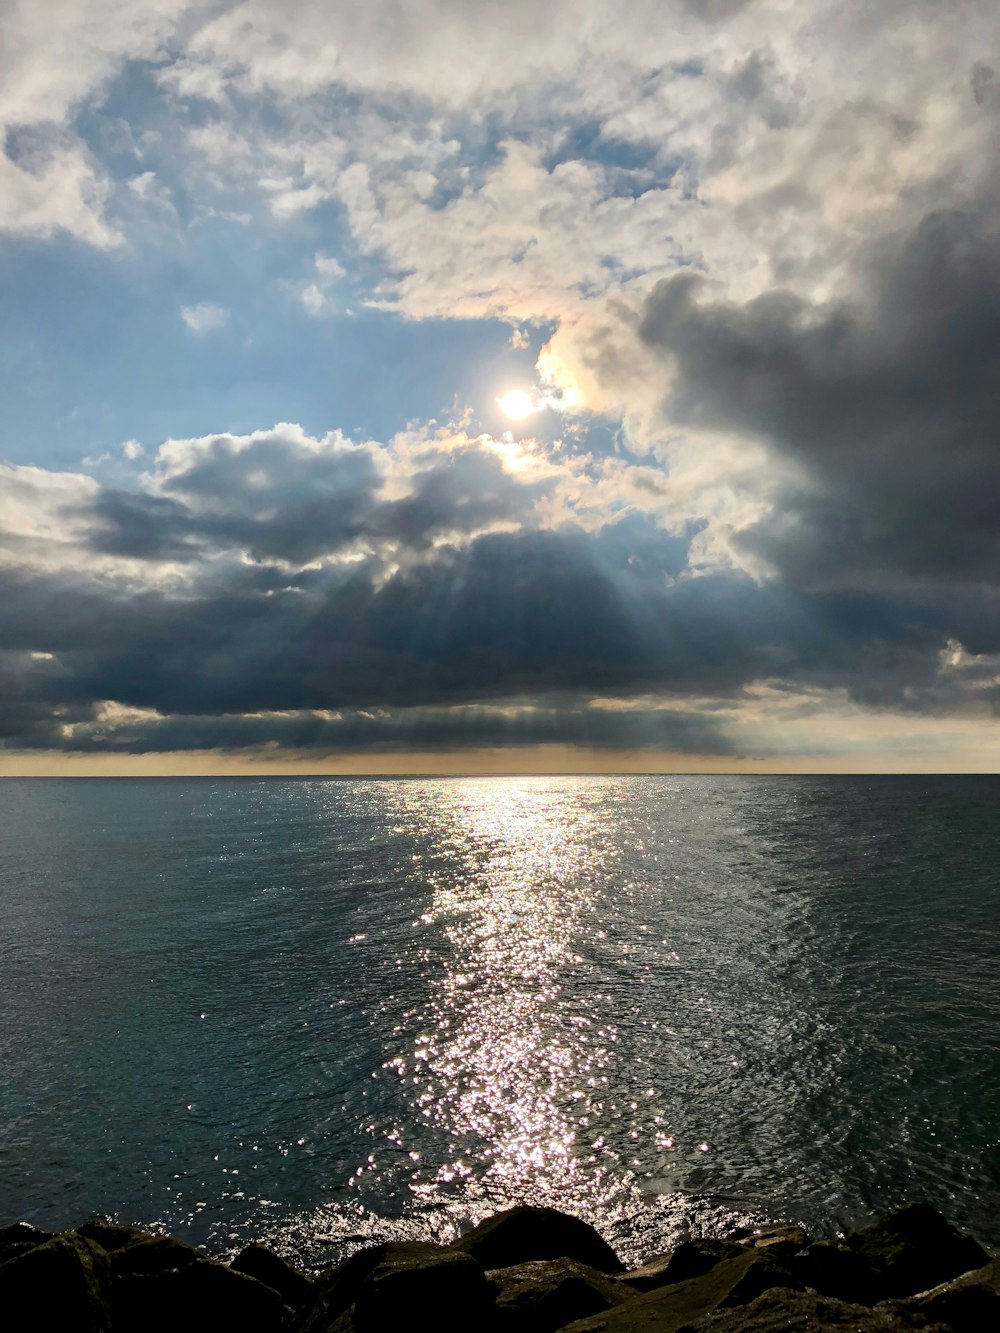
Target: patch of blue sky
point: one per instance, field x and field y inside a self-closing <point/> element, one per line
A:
<point x="586" y="141"/>
<point x="94" y="349"/>
<point x="23" y="143"/>
<point x="129" y="111"/>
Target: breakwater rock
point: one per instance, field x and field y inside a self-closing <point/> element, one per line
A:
<point x="528" y="1270"/>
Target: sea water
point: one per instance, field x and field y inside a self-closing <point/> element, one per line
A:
<point x="322" y="1011"/>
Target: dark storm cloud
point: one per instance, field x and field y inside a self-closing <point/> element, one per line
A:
<point x="890" y="402"/>
<point x="276" y="500"/>
<point x="421" y="729"/>
<point x="553" y="618"/>
<point x="145" y="527"/>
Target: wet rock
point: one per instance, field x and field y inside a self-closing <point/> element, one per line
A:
<point x="521" y="1235"/>
<point x="966" y="1304"/>
<point x="914" y="1248"/>
<point x="836" y="1270"/>
<point x="689" y="1259"/>
<point x="109" y="1235"/>
<point x="149" y="1255"/>
<point x="734" y="1282"/>
<point x="336" y="1289"/>
<point x="445" y="1291"/>
<point x="20" y="1238"/>
<point x="64" y="1283"/>
<point x="779" y="1241"/>
<point x="263" y="1264"/>
<point x="203" y="1296"/>
<point x="544" y="1295"/>
<point x="783" y="1311"/>
<point x="763" y="1237"/>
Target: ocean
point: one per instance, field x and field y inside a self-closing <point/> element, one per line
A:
<point x="321" y="1011"/>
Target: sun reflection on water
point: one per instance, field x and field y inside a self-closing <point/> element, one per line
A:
<point x="587" y="979"/>
<point x="505" y="1064"/>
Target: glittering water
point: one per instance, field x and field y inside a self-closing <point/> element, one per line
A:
<point x="318" y="1010"/>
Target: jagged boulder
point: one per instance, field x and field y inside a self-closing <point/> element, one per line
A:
<point x="394" y="1282"/>
<point x="521" y="1235"/>
<point x="734" y="1282"/>
<point x="542" y="1296"/>
<point x="913" y="1249"/>
<point x="689" y="1259"/>
<point x="110" y="1236"/>
<point x="780" y="1241"/>
<point x="20" y="1238"/>
<point x="784" y="1311"/>
<point x="257" y="1261"/>
<point x="150" y="1255"/>
<point x="64" y="1283"/>
<point x="836" y="1270"/>
<point x="336" y="1288"/>
<point x="202" y="1296"/>
<point x="966" y="1304"/>
<point x="445" y="1291"/>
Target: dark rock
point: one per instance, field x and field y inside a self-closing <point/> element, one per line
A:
<point x="544" y="1295"/>
<point x="445" y="1291"/>
<point x="690" y="1259"/>
<point x="65" y="1283"/>
<point x="336" y="1288"/>
<point x="781" y="1241"/>
<point x="915" y="1248"/>
<point x="20" y="1238"/>
<point x="154" y="1254"/>
<point x="521" y="1235"/>
<point x="734" y="1282"/>
<point x="966" y="1304"/>
<point x="781" y="1311"/>
<point x="258" y="1261"/>
<point x="835" y="1270"/>
<point x="202" y="1296"/>
<point x="109" y="1235"/>
<point x="776" y="1233"/>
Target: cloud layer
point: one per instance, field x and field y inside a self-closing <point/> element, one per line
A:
<point x="753" y="248"/>
<point x="440" y="589"/>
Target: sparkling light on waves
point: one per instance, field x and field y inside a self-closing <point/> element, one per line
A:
<point x="505" y="1065"/>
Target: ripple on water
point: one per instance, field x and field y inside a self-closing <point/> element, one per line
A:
<point x="323" y="1011"/>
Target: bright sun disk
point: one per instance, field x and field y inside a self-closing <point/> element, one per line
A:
<point x="516" y="404"/>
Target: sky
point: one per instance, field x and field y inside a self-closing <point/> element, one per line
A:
<point x="439" y="386"/>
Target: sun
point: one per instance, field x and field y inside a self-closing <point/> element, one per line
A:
<point x="516" y="404"/>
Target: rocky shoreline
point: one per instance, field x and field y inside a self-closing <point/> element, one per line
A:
<point x="527" y="1270"/>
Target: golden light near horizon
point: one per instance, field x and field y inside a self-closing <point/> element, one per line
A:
<point x="517" y="404"/>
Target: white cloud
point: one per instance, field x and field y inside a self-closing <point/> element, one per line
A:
<point x="770" y="137"/>
<point x="204" y="317"/>
<point x="445" y="51"/>
<point x="57" y="191"/>
<point x="40" y="516"/>
<point x="132" y="450"/>
<point x="153" y="194"/>
<point x="329" y="268"/>
<point x="313" y="298"/>
<point x="315" y="295"/>
<point x="55" y="56"/>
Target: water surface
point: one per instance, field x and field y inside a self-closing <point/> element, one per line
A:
<point x="312" y="1010"/>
